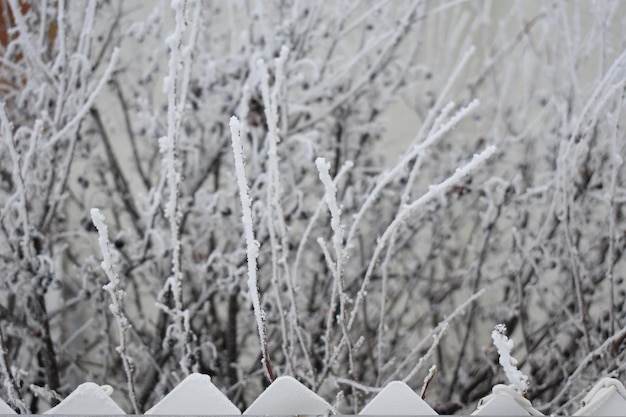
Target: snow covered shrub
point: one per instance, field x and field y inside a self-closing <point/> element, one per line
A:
<point x="280" y="241"/>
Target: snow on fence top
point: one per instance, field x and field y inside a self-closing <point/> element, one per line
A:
<point x="196" y="395"/>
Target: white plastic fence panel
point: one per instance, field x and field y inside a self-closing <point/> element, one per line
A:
<point x="88" y="399"/>
<point x="195" y="395"/>
<point x="287" y="396"/>
<point x="397" y="399"/>
<point x="606" y="398"/>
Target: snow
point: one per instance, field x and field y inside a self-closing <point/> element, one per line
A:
<point x="287" y="396"/>
<point x="333" y="206"/>
<point x="87" y="399"/>
<point x="103" y="238"/>
<point x="195" y="395"/>
<point x="509" y="363"/>
<point x="397" y="398"/>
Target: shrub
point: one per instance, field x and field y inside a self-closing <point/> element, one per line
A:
<point x="347" y="271"/>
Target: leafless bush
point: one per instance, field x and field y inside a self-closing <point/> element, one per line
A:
<point x="347" y="271"/>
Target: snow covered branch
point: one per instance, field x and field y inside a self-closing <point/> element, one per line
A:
<point x="252" y="244"/>
<point x="117" y="294"/>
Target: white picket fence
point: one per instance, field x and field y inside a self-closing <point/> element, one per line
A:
<point x="196" y="395"/>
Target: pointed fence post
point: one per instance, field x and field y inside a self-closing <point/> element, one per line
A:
<point x="397" y="399"/>
<point x="287" y="396"/>
<point x="5" y="408"/>
<point x="505" y="401"/>
<point x="87" y="399"/>
<point x="195" y="395"/>
<point x="606" y="398"/>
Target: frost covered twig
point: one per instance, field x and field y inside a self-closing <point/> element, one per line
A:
<point x="432" y="371"/>
<point x="433" y="192"/>
<point x="19" y="171"/>
<point x="175" y="86"/>
<point x="436" y="334"/>
<point x="252" y="244"/>
<point x="117" y="295"/>
<point x="168" y="146"/>
<point x="339" y="290"/>
<point x="416" y="151"/>
<point x="277" y="229"/>
<point x="584" y="363"/>
<point x="10" y="383"/>
<point x="80" y="115"/>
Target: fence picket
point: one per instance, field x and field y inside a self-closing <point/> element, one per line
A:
<point x="606" y="398"/>
<point x="5" y="409"/>
<point x="195" y="395"/>
<point x="397" y="398"/>
<point x="505" y="401"/>
<point x="87" y="399"/>
<point x="287" y="396"/>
